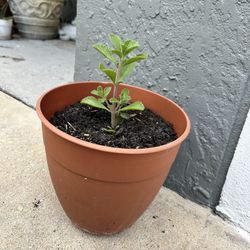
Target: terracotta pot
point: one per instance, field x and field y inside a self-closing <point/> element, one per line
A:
<point x="104" y="190"/>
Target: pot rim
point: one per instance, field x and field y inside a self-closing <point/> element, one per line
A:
<point x="103" y="148"/>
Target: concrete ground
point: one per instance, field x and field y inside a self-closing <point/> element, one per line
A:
<point x="30" y="67"/>
<point x="32" y="218"/>
<point x="30" y="214"/>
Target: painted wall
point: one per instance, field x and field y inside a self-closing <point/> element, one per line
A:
<point x="235" y="199"/>
<point x="199" y="57"/>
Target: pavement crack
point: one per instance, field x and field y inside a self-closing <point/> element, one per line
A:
<point x="6" y="47"/>
<point x="16" y="59"/>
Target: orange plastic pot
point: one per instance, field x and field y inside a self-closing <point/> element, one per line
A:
<point x="104" y="190"/>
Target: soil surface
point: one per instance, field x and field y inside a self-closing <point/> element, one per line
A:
<point x="144" y="130"/>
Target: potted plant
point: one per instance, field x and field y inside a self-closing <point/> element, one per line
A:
<point x="5" y="22"/>
<point x="37" y="19"/>
<point x="104" y="189"/>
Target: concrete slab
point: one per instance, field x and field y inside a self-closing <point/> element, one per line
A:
<point x="30" y="67"/>
<point x="171" y="222"/>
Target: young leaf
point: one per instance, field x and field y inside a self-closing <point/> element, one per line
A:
<point x="136" y="58"/>
<point x="93" y="102"/>
<point x="109" y="72"/>
<point x="133" y="106"/>
<point x="94" y="92"/>
<point x="129" y="46"/>
<point x="105" y="51"/>
<point x="116" y="41"/>
<point x="106" y="91"/>
<point x="126" y="70"/>
<point x="124" y="96"/>
<point x="109" y="130"/>
<point x="102" y="99"/>
<point x="125" y="116"/>
<point x="117" y="52"/>
<point x="113" y="100"/>
<point x="124" y="92"/>
<point x="98" y="91"/>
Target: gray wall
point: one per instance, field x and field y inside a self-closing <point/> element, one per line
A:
<point x="198" y="56"/>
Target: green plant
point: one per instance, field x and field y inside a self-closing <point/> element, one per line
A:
<point x="3" y="10"/>
<point x="123" y="66"/>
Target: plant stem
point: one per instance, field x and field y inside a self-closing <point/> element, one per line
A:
<point x="117" y="77"/>
<point x="115" y="90"/>
<point x="113" y="109"/>
<point x="113" y="118"/>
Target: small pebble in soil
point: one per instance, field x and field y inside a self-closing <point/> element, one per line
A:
<point x="144" y="130"/>
<point x="163" y="231"/>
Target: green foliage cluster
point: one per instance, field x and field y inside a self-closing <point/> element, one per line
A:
<point x="117" y="105"/>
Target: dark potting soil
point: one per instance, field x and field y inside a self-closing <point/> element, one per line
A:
<point x="143" y="130"/>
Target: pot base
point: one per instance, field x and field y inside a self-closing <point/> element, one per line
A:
<point x="36" y="32"/>
<point x="99" y="233"/>
<point x="37" y="28"/>
<point x="2" y="37"/>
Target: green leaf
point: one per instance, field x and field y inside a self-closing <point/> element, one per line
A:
<point x="124" y="96"/>
<point x="126" y="70"/>
<point x="116" y="41"/>
<point x="129" y="46"/>
<point x="109" y="130"/>
<point x="98" y="91"/>
<point x="109" y="72"/>
<point x="102" y="100"/>
<point x="136" y="58"/>
<point x="94" y="92"/>
<point x="105" y="51"/>
<point x="124" y="92"/>
<point x="93" y="102"/>
<point x="133" y="106"/>
<point x="125" y="116"/>
<point x="106" y="91"/>
<point x="117" y="52"/>
<point x="113" y="100"/>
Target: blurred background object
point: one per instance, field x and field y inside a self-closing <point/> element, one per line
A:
<point x="6" y="21"/>
<point x="69" y="11"/>
<point x="67" y="29"/>
<point x="37" y="19"/>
